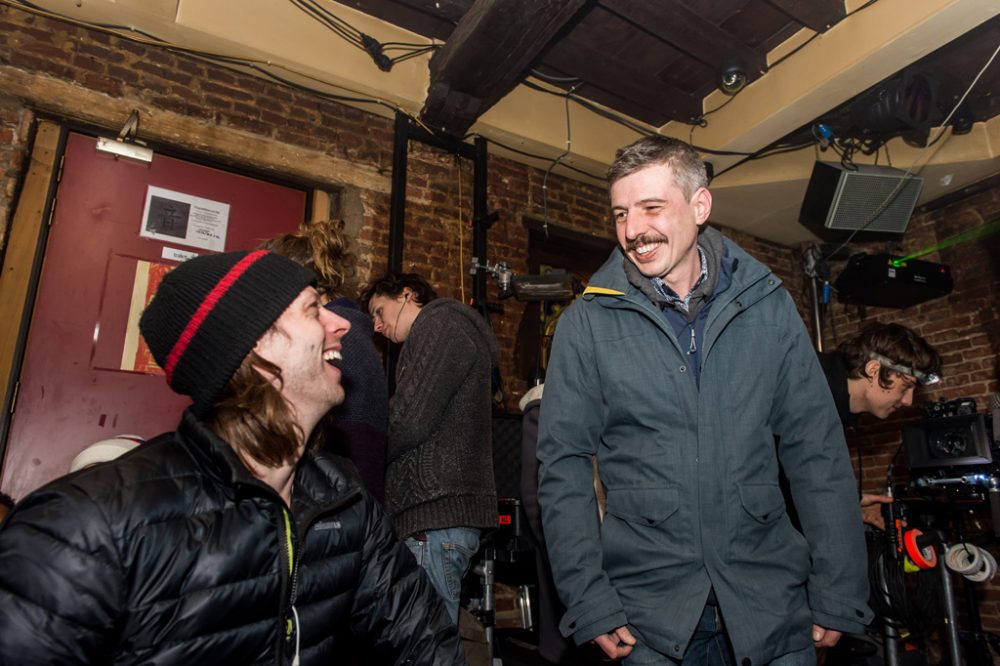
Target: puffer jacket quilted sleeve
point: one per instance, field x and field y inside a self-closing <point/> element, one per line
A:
<point x="61" y="588"/>
<point x="395" y="605"/>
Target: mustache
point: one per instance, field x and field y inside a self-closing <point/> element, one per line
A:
<point x="645" y="239"/>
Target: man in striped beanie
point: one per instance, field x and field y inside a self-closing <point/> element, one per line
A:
<point x="233" y="540"/>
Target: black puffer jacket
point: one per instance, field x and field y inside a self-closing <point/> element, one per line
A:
<point x="174" y="554"/>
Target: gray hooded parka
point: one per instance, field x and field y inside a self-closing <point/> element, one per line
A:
<point x="691" y="471"/>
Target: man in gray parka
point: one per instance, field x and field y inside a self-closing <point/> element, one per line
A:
<point x="678" y="368"/>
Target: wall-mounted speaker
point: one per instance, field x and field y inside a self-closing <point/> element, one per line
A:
<point x="875" y="199"/>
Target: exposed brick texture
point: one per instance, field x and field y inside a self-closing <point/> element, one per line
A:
<point x="15" y="131"/>
<point x="965" y="326"/>
<point x="439" y="193"/>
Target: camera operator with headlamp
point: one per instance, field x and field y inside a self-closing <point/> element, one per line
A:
<point x="876" y="372"/>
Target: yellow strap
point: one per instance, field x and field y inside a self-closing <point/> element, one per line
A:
<point x="289" y="627"/>
<point x="288" y="541"/>
<point x="602" y="291"/>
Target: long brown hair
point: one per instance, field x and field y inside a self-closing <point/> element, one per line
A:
<point x="255" y="419"/>
<point x="321" y="247"/>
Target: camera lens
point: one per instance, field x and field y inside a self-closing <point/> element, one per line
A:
<point x="948" y="444"/>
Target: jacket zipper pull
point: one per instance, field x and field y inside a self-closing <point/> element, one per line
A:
<point x="694" y="347"/>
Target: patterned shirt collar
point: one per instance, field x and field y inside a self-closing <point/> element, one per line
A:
<point x="671" y="296"/>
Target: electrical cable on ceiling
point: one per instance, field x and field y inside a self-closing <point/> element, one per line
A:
<point x="533" y="155"/>
<point x="352" y="35"/>
<point x="644" y="131"/>
<point x="545" y="179"/>
<point x="765" y="152"/>
<point x="911" y="171"/>
<point x="367" y="43"/>
<point x="694" y="124"/>
<point x="621" y="120"/>
<point x="700" y="121"/>
<point x="234" y="63"/>
<point x="777" y="150"/>
<point x="357" y="38"/>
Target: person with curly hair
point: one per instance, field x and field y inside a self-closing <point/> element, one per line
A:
<point x="876" y="372"/>
<point x="357" y="429"/>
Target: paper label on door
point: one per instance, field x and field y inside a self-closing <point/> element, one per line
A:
<point x="181" y="218"/>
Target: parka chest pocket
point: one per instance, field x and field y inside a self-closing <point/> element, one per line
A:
<point x="763" y="501"/>
<point x="642" y="506"/>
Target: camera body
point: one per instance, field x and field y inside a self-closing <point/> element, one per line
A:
<point x="953" y="458"/>
<point x="952" y="435"/>
<point x="960" y="440"/>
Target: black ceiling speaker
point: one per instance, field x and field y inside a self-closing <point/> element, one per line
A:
<point x="876" y="199"/>
<point x="904" y="105"/>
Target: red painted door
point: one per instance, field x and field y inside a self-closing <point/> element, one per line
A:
<point x="84" y="376"/>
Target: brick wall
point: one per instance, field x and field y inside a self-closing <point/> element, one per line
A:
<point x="964" y="327"/>
<point x="15" y="126"/>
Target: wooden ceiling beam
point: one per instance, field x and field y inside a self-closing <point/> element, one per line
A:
<point x="655" y="105"/>
<point x="486" y="56"/>
<point x="676" y="24"/>
<point x="818" y="15"/>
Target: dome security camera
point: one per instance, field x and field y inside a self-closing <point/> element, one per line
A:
<point x="732" y="78"/>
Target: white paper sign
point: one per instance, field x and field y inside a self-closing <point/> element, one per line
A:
<point x="181" y="218"/>
<point x="174" y="254"/>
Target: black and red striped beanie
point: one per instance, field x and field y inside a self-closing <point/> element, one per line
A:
<point x="209" y="312"/>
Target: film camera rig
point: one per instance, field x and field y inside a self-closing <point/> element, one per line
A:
<point x="954" y="464"/>
<point x="954" y="457"/>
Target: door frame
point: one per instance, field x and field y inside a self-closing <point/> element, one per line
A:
<point x="24" y="255"/>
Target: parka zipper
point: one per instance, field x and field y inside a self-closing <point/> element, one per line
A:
<point x="290" y="614"/>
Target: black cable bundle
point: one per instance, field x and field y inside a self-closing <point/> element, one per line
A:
<point x="902" y="600"/>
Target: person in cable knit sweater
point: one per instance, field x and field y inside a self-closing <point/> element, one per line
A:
<point x="440" y="489"/>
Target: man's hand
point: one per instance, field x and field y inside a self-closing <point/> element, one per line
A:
<point x="618" y="643"/>
<point x="824" y="638"/>
<point x="871" y="509"/>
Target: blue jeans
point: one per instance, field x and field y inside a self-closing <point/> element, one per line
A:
<point x="445" y="556"/>
<point x="805" y="657"/>
<point x="709" y="646"/>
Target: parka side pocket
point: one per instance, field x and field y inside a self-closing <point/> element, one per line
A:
<point x="763" y="501"/>
<point x="642" y="506"/>
<point x="641" y="533"/>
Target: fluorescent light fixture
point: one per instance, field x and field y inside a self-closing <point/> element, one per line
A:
<point x="122" y="149"/>
<point x="556" y="285"/>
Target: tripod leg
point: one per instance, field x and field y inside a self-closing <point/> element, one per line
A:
<point x="950" y="616"/>
<point x="890" y="642"/>
<point x="488" y="609"/>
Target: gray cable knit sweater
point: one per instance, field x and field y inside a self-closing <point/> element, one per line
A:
<point x="439" y="470"/>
